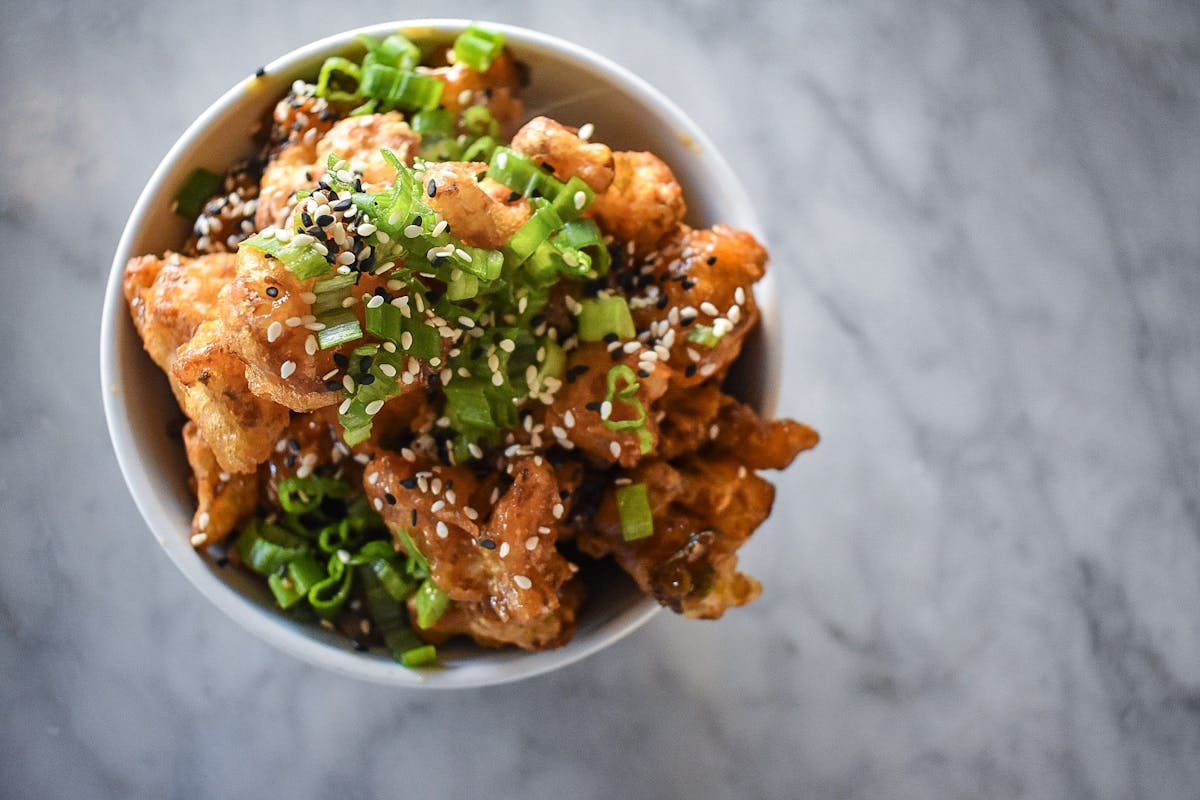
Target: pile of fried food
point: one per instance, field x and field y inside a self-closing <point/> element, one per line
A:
<point x="527" y="441"/>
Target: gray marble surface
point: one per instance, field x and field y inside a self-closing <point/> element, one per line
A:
<point x="985" y="221"/>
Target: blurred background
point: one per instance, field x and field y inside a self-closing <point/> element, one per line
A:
<point x="984" y="583"/>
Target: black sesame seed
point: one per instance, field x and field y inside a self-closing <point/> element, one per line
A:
<point x="487" y="544"/>
<point x="409" y="483"/>
<point x="564" y="494"/>
<point x="438" y="261"/>
<point x="342" y="205"/>
<point x="610" y="337"/>
<point x="514" y="197"/>
<point x="644" y="373"/>
<point x="325" y="115"/>
<point x="332" y="386"/>
<point x="690" y="371"/>
<point x="297" y="127"/>
<point x="711" y="260"/>
<point x="341" y="360"/>
<point x="391" y="498"/>
<point x="414" y="517"/>
<point x="688" y="285"/>
<point x="416" y="221"/>
<point x="272" y="291"/>
<point x="365" y="363"/>
<point x="688" y="320"/>
<point x="367" y="380"/>
<point x="548" y="167"/>
<point x="432" y="189"/>
<point x="662" y="302"/>
<point x="290" y="461"/>
<point x="294" y="445"/>
<point x="357" y="184"/>
<point x="325" y="220"/>
<point x="258" y="73"/>
<point x="324" y="185"/>
<point x="222" y="562"/>
<point x="594" y="406"/>
<point x="616" y="355"/>
<point x="306" y="219"/>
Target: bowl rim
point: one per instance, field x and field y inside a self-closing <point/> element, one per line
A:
<point x="270" y="627"/>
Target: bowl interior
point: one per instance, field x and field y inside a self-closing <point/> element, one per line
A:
<point x="568" y="83"/>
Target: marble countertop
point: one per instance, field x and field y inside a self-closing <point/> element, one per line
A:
<point x="984" y="583"/>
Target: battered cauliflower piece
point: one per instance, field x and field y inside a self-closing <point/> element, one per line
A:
<point x="223" y="499"/>
<point x="643" y="204"/>
<point x="476" y="216"/>
<point x="358" y="140"/>
<point x="555" y="145"/>
<point x="497" y="88"/>
<point x="707" y="279"/>
<point x="499" y="562"/>
<point x="173" y="303"/>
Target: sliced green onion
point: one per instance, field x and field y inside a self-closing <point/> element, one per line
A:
<point x="339" y="80"/>
<point x="436" y="121"/>
<point x="573" y="198"/>
<point x="703" y="335"/>
<point x="302" y="260"/>
<point x="468" y="407"/>
<point x="198" y="186"/>
<point x="521" y="173"/>
<point x="331" y="292"/>
<point x="400" y="87"/>
<point x="265" y="547"/>
<point x="554" y="365"/>
<point x="633" y="506"/>
<point x="286" y="593"/>
<point x="478" y="47"/>
<point x="341" y="327"/>
<point x="598" y="317"/>
<point x="480" y="150"/>
<point x="478" y="121"/>
<point x="584" y="236"/>
<point x="394" y="51"/>
<point x="328" y="596"/>
<point x="462" y="286"/>
<point x="305" y="572"/>
<point x="431" y="603"/>
<point x="537" y="229"/>
<point x="419" y="656"/>
<point x="389" y="618"/>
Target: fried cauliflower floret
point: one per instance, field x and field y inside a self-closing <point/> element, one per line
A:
<point x="496" y="88"/>
<point x="553" y="144"/>
<point x="173" y="301"/>
<point x="644" y="202"/>
<point x="498" y="561"/>
<point x="707" y="277"/>
<point x="266" y="312"/>
<point x="577" y="407"/>
<point x="223" y="499"/>
<point x="357" y="140"/>
<point x="475" y="215"/>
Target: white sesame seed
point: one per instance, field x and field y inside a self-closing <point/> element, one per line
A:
<point x="344" y="555"/>
<point x="464" y="97"/>
<point x="708" y="369"/>
<point x="742" y="471"/>
<point x="507" y="345"/>
<point x="606" y="409"/>
<point x="709" y="308"/>
<point x="203" y="520"/>
<point x="437" y="506"/>
<point x="734" y="314"/>
<point x="345" y="406"/>
<point x="739" y="296"/>
<point x="310" y="345"/>
<point x="375" y="302"/>
<point x="614" y="447"/>
<point x="366" y="229"/>
<point x="308" y="297"/>
<point x="586" y="130"/>
<point x="542" y="529"/>
<point x="476" y="452"/>
<point x="406" y="340"/>
<point x="199" y="539"/>
<point x="631" y="347"/>
<point x="442" y="530"/>
<point x="531" y="543"/>
<point x="569" y="418"/>
<point x="580" y="200"/>
<point x="522" y="581"/>
<point x="470" y="513"/>
<point x="348" y="383"/>
<point x="293" y="322"/>
<point x="504" y="548"/>
<point x="373" y="407"/>
<point x="274" y="331"/>
<point x="286" y="370"/>
<point x="387" y="369"/>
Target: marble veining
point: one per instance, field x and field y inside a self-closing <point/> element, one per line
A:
<point x="985" y="582"/>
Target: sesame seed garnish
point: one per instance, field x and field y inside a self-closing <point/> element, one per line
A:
<point x="274" y="331"/>
<point x="293" y="322"/>
<point x="375" y="302"/>
<point x="522" y="581"/>
<point x="739" y="296"/>
<point x="709" y="308"/>
<point x="199" y="539"/>
<point x="442" y="530"/>
<point x="286" y="370"/>
<point x="614" y="447"/>
<point x="557" y="510"/>
<point x="504" y="548"/>
<point x="580" y="200"/>
<point x="373" y="407"/>
<point x="531" y="543"/>
<point x="437" y="506"/>
<point x="586" y="130"/>
<point x="606" y="409"/>
<point x="344" y="555"/>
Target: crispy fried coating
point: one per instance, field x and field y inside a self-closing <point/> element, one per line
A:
<point x="479" y="217"/>
<point x="498" y="561"/>
<point x="703" y="511"/>
<point x="173" y="303"/>
<point x="759" y="443"/>
<point x="558" y="146"/>
<point x="644" y="202"/>
<point x="358" y="140"/>
<point x="497" y="87"/>
<point x="576" y="408"/>
<point x="701" y="272"/>
<point x="223" y="499"/>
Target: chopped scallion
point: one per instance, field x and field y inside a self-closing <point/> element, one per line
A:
<point x="633" y="506"/>
<point x="198" y="186"/>
<point x="478" y="47"/>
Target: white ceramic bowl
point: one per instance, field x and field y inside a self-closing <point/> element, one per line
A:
<point x="570" y="84"/>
